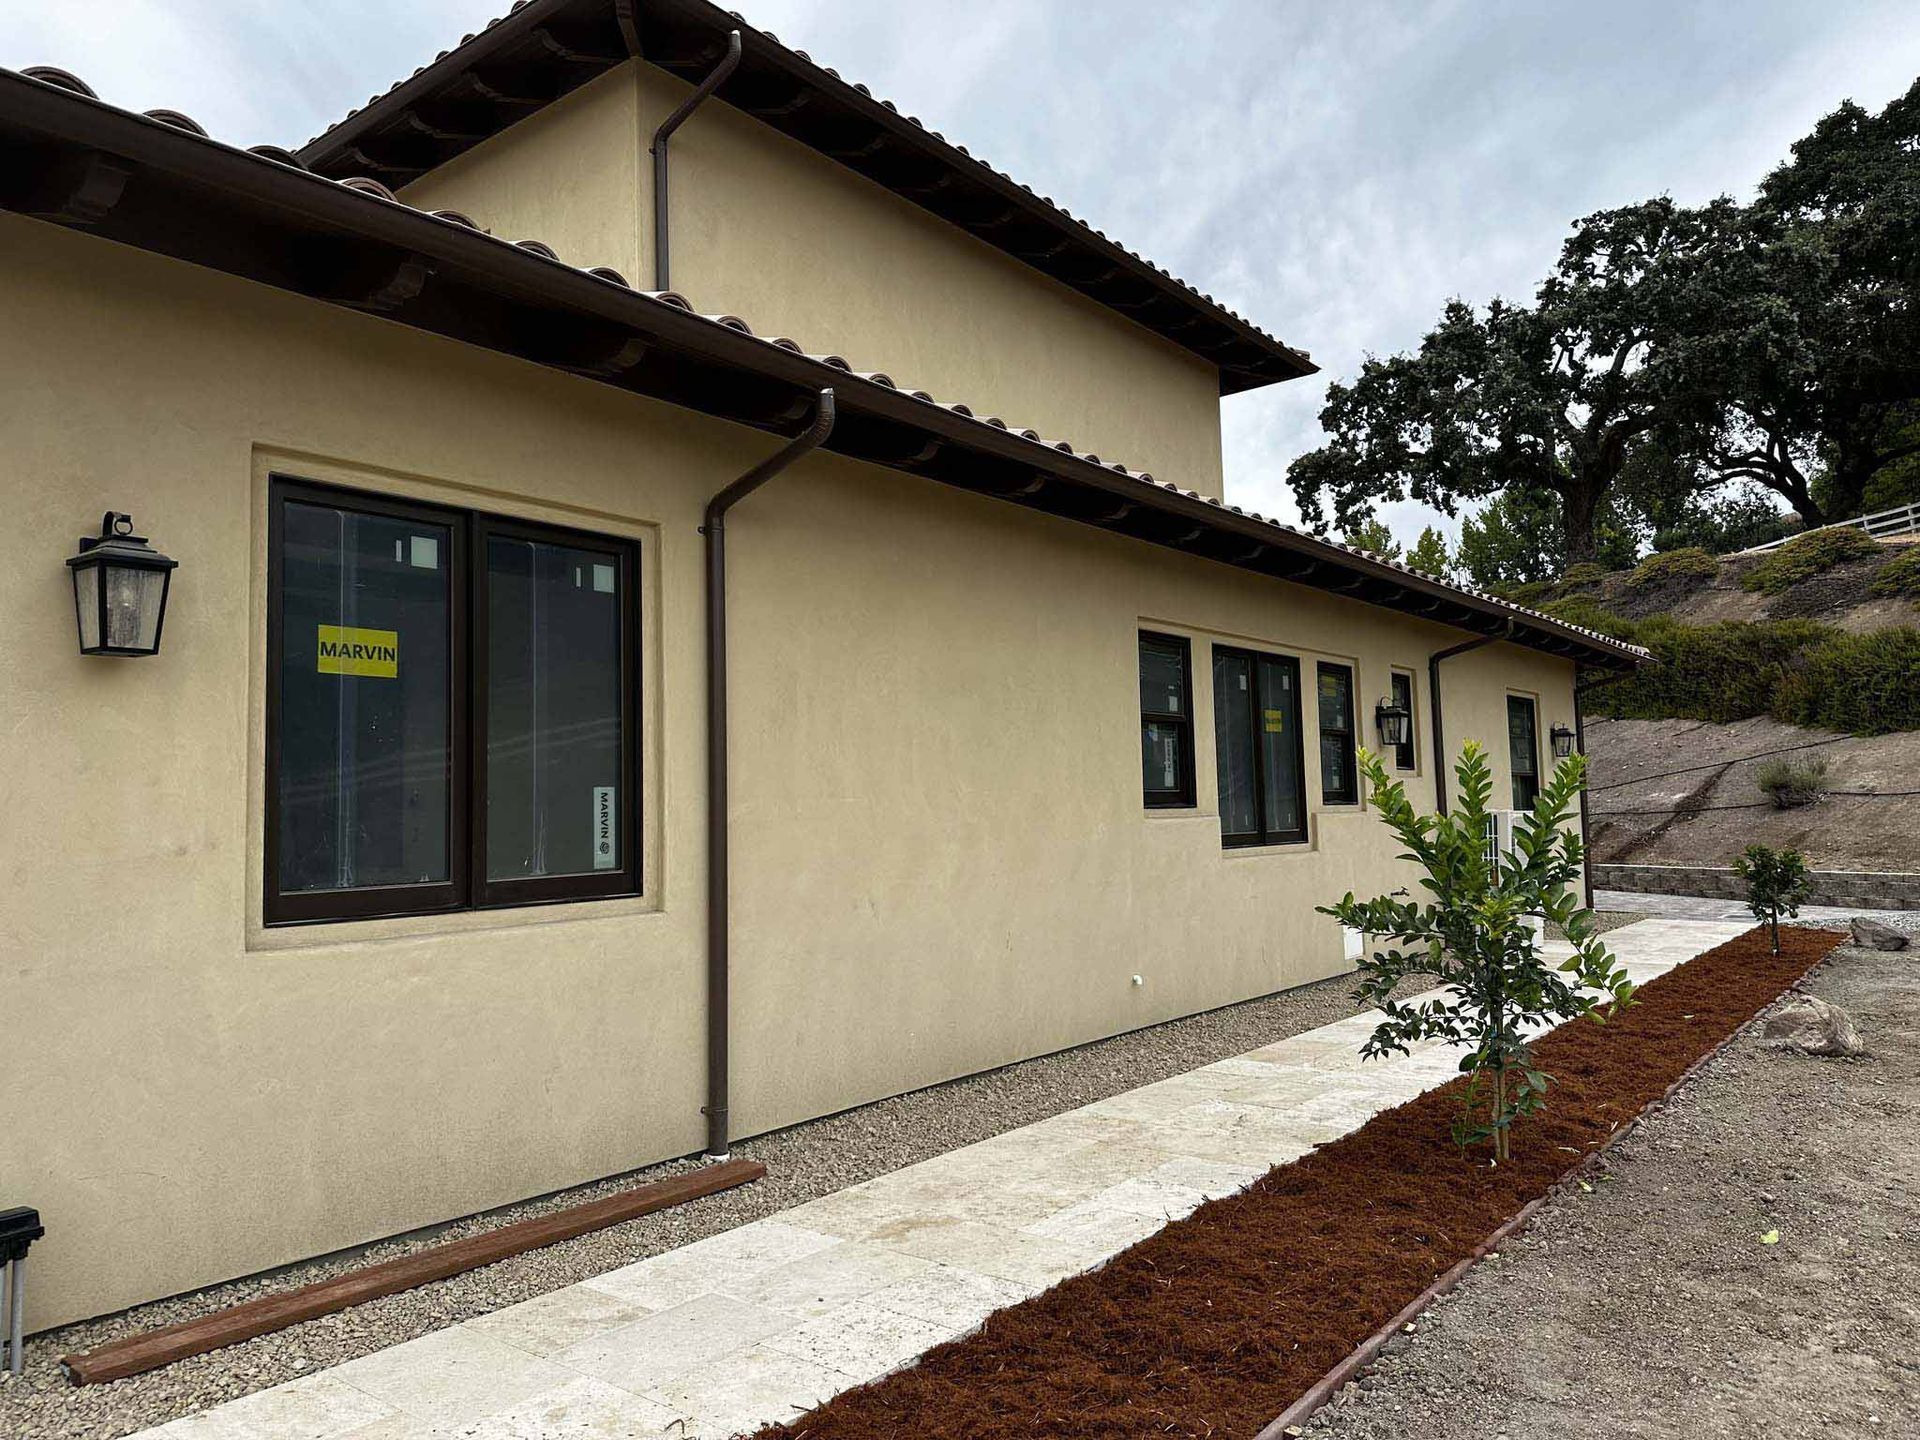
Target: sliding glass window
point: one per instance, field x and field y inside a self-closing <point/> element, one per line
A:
<point x="450" y="715"/>
<point x="1258" y="749"/>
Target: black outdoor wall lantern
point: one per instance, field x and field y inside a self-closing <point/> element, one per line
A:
<point x="119" y="590"/>
<point x="1393" y="721"/>
<point x="1562" y="739"/>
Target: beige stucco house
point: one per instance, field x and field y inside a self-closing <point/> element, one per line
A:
<point x="382" y="893"/>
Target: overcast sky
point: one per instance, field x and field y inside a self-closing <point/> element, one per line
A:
<point x="1333" y="172"/>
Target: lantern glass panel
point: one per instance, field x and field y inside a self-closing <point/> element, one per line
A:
<point x="86" y="601"/>
<point x="134" y="598"/>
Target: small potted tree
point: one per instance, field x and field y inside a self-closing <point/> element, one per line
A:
<point x="1473" y="936"/>
<point x="1777" y="883"/>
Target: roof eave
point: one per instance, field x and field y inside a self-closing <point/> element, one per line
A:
<point x="953" y="184"/>
<point x="196" y="199"/>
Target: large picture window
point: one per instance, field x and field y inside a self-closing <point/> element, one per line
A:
<point x="1258" y="748"/>
<point x="450" y="711"/>
<point x="1166" y="721"/>
<point x="1339" y="782"/>
<point x="1523" y="751"/>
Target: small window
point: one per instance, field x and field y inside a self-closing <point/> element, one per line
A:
<point x="1339" y="784"/>
<point x="1404" y="753"/>
<point x="1258" y="748"/>
<point x="1523" y="751"/>
<point x="450" y="717"/>
<point x="1166" y="721"/>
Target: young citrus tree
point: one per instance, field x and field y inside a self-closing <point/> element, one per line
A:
<point x="1472" y="936"/>
<point x="1777" y="883"/>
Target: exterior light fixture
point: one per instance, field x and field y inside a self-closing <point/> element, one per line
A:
<point x="1562" y="739"/>
<point x="1394" y="722"/>
<point x="119" y="590"/>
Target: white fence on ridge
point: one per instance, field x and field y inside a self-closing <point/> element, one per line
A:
<point x="1882" y="525"/>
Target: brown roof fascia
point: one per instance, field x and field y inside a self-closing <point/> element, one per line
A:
<point x="544" y="48"/>
<point x="157" y="185"/>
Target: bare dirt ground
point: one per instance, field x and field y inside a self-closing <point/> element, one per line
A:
<point x="1643" y="814"/>
<point x="1653" y="1306"/>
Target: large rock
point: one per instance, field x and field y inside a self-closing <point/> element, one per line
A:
<point x="1876" y="935"/>
<point x="1813" y="1027"/>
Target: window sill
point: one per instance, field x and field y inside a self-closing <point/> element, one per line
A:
<point x="341" y="934"/>
<point x="1280" y="847"/>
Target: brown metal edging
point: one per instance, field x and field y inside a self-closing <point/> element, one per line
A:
<point x="140" y="1353"/>
<point x="1289" y="1421"/>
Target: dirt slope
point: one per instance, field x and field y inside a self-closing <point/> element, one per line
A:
<point x="1713" y="810"/>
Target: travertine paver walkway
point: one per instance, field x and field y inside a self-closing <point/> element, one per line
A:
<point x="773" y="1317"/>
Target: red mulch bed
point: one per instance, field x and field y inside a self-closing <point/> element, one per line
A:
<point x="1217" y="1323"/>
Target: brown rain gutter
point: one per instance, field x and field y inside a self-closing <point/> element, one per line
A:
<point x="673" y="122"/>
<point x="718" y="973"/>
<point x="1433" y="700"/>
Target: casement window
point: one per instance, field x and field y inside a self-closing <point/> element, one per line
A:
<point x="1339" y="782"/>
<point x="1404" y="753"/>
<point x="1523" y="751"/>
<point x="1258" y="747"/>
<point x="1166" y="721"/>
<point x="451" y="718"/>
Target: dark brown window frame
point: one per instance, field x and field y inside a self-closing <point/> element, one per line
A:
<point x="1265" y="835"/>
<point x="1182" y="798"/>
<point x="1533" y="746"/>
<point x="466" y="887"/>
<point x="1406" y="755"/>
<point x="1349" y="791"/>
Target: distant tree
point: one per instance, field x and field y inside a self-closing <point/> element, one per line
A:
<point x="1371" y="534"/>
<point x="1516" y="539"/>
<point x="1429" y="554"/>
<point x="1541" y="401"/>
<point x="1816" y="350"/>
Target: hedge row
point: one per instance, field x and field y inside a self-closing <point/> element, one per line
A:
<point x="1797" y="671"/>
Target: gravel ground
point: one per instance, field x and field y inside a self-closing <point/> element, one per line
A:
<point x="803" y="1162"/>
<point x="1650" y="1306"/>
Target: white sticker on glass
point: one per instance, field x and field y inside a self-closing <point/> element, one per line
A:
<point x="606" y="840"/>
<point x="425" y="552"/>
<point x="603" y="578"/>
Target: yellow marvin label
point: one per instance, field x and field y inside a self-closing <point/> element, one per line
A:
<point x="350" y="650"/>
<point x="1276" y="722"/>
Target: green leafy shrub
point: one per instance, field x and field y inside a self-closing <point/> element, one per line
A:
<point x="1670" y="566"/>
<point x="1792" y="783"/>
<point x="1587" y="611"/>
<point x="1862" y="684"/>
<point x="1814" y="553"/>
<point x="1474" y="936"/>
<point x="1899" y="576"/>
<point x="1776" y="884"/>
<point x="1582" y="576"/>
<point x="1723" y="672"/>
<point x="1531" y="593"/>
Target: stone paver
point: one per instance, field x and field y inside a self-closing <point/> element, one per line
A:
<point x="770" y="1319"/>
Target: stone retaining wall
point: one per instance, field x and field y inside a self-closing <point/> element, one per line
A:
<point x="1830" y="887"/>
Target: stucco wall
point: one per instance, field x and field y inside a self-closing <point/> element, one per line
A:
<point x="798" y="245"/>
<point x="942" y="861"/>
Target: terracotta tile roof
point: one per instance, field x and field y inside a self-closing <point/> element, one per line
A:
<point x="1284" y="535"/>
<point x="556" y="45"/>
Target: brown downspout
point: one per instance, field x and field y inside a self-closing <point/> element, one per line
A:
<point x="717" y="967"/>
<point x="1433" y="703"/>
<point x="661" y="136"/>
